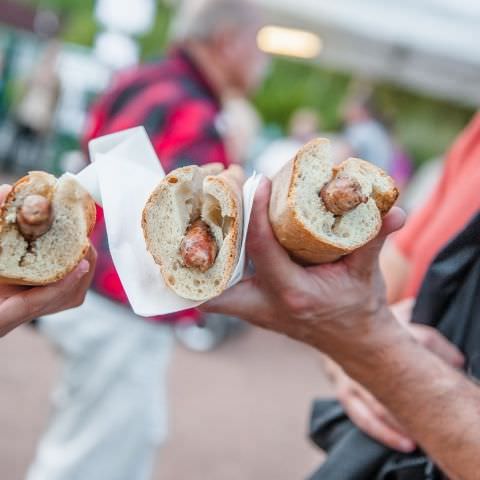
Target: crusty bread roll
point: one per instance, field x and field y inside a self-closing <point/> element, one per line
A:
<point x="44" y="228"/>
<point x="320" y="212"/>
<point x="192" y="225"/>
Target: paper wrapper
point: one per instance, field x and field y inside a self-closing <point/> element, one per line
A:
<point x="123" y="173"/>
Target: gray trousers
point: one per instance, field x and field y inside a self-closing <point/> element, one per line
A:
<point x="110" y="409"/>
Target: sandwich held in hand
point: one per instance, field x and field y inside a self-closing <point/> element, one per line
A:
<point x="44" y="228"/>
<point x="192" y="225"/>
<point x="320" y="212"/>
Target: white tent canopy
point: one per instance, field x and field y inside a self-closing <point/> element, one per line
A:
<point x="429" y="45"/>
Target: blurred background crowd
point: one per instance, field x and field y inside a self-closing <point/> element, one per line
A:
<point x="333" y="68"/>
<point x="392" y="83"/>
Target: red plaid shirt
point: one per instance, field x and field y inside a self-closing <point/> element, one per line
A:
<point x="177" y="107"/>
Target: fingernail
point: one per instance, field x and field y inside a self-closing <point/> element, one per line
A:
<point x="407" y="446"/>
<point x="83" y="268"/>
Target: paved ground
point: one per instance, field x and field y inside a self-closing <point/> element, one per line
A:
<point x="239" y="413"/>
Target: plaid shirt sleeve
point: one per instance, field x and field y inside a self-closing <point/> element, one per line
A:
<point x="183" y="132"/>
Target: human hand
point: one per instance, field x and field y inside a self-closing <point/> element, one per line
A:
<point x="365" y="410"/>
<point x="326" y="306"/>
<point x="19" y="304"/>
<point x="402" y="310"/>
<point x="367" y="413"/>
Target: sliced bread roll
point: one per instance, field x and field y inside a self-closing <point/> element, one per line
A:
<point x="320" y="212"/>
<point x="192" y="225"/>
<point x="44" y="228"/>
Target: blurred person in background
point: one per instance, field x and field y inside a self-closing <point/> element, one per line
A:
<point x="422" y="184"/>
<point x="405" y="261"/>
<point x="110" y="407"/>
<point x="34" y="116"/>
<point x="364" y="132"/>
<point x="402" y="166"/>
<point x="304" y="125"/>
<point x="242" y="126"/>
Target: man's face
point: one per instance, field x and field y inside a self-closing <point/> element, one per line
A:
<point x="246" y="64"/>
<point x="355" y="112"/>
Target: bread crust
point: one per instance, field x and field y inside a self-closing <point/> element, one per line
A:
<point x="291" y="232"/>
<point x="24" y="281"/>
<point x="230" y="181"/>
<point x="89" y="211"/>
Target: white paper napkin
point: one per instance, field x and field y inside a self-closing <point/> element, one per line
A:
<point x="123" y="173"/>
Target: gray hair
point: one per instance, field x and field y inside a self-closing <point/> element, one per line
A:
<point x="200" y="19"/>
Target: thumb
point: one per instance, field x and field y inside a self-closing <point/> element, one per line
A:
<point x="272" y="262"/>
<point x="365" y="259"/>
<point x="243" y="300"/>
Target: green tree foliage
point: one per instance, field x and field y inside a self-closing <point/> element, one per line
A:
<point x="293" y="84"/>
<point x="154" y="42"/>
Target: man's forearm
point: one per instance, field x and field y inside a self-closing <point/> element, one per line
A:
<point x="438" y="406"/>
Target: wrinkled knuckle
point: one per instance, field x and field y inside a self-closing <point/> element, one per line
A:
<point x="429" y="342"/>
<point x="346" y="383"/>
<point x="345" y="402"/>
<point x="379" y="411"/>
<point x="361" y="421"/>
<point x="344" y="394"/>
<point x="340" y="390"/>
<point x="335" y="379"/>
<point x="425" y="337"/>
<point x="29" y="309"/>
<point x="295" y="301"/>
<point x="79" y="299"/>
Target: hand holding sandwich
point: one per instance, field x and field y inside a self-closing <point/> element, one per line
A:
<point x="319" y="305"/>
<point x="341" y="309"/>
<point x="20" y="304"/>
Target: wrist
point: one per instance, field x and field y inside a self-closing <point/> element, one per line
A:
<point x="363" y="346"/>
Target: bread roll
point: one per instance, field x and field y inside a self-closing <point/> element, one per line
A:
<point x="320" y="212"/>
<point x="44" y="228"/>
<point x="192" y="225"/>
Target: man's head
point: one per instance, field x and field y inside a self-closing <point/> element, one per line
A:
<point x="226" y="30"/>
<point x="305" y="124"/>
<point x="360" y="108"/>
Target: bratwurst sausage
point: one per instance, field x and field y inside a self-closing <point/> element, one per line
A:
<point x="342" y="194"/>
<point x="35" y="217"/>
<point x="198" y="248"/>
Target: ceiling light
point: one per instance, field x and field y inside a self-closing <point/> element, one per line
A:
<point x="289" y="42"/>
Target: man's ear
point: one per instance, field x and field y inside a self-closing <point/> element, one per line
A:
<point x="222" y="44"/>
